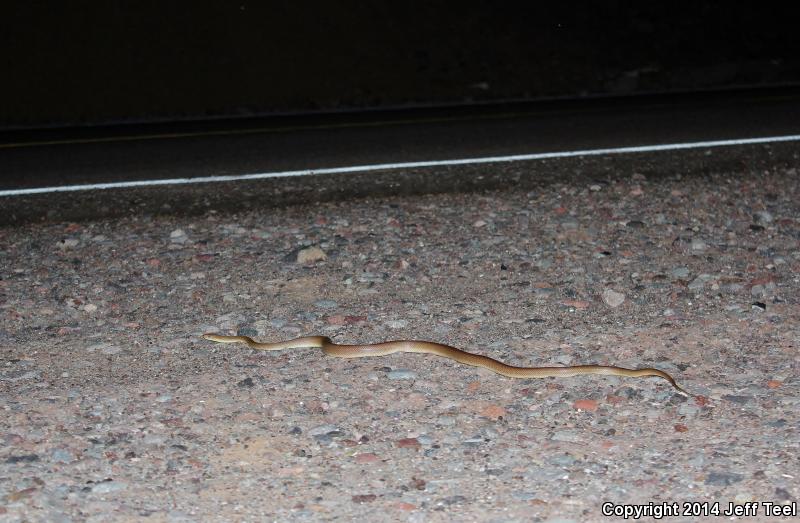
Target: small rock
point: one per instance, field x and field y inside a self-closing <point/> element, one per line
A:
<point x="402" y="374"/>
<point x="247" y="331"/>
<point x="366" y="457"/>
<point x="424" y="439"/>
<point x="570" y="436"/>
<point x="453" y="500"/>
<point x="326" y="304"/>
<point x="493" y="412"/>
<point x="562" y="460"/>
<point x="61" y="456"/>
<point x="613" y="298"/>
<point x="107" y="487"/>
<point x="25" y="458"/>
<point x="321" y="430"/>
<point x="408" y="443"/>
<point x="763" y="217"/>
<point x="700" y="281"/>
<point x="310" y="255"/>
<point x="698" y="245"/>
<point x="12" y="439"/>
<point x="67" y="243"/>
<point x="590" y="405"/>
<point x="680" y="273"/>
<point x="178" y="236"/>
<point x="577" y="304"/>
<point x="723" y="479"/>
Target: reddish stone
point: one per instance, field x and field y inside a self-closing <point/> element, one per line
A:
<point x="407" y="443"/>
<point x="493" y="412"/>
<point x="578" y="304"/>
<point x="590" y="405"/>
<point x="367" y="457"/>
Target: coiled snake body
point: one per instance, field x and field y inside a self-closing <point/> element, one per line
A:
<point x="445" y="351"/>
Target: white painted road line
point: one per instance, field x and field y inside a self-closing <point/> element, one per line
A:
<point x="405" y="165"/>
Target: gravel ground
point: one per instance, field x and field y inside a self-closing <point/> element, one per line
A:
<point x="114" y="409"/>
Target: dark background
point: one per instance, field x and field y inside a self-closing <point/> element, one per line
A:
<point x="77" y="63"/>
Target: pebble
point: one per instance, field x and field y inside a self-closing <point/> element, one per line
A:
<point x="247" y="331"/>
<point x="401" y="374"/>
<point x="178" y="236"/>
<point x="366" y="457"/>
<point x="763" y="217"/>
<point x="108" y="487"/>
<point x="424" y="439"/>
<point x="311" y="255"/>
<point x="24" y="458"/>
<point x="723" y="479"/>
<point x="613" y="298"/>
<point x="698" y="245"/>
<point x="680" y="273"/>
<point x="699" y="282"/>
<point x="326" y="304"/>
<point x="61" y="456"/>
<point x="590" y="405"/>
<point x="406" y="443"/>
<point x="246" y="383"/>
<point x="570" y="436"/>
<point x="67" y="243"/>
<point x="321" y="430"/>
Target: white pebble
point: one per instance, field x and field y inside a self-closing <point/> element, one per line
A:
<point x="613" y="298"/>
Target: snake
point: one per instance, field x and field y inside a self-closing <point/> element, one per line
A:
<point x="438" y="349"/>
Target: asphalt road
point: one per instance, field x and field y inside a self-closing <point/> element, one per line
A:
<point x="193" y="150"/>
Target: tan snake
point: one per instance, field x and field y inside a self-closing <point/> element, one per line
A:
<point x="445" y="351"/>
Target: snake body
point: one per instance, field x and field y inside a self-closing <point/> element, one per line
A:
<point x="445" y="351"/>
